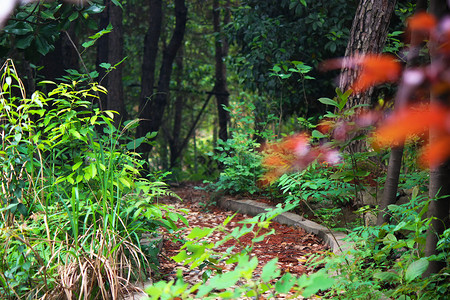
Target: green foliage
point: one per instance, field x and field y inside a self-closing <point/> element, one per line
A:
<point x="270" y="33"/>
<point x="316" y="183"/>
<point x="73" y="202"/>
<point x="36" y="27"/>
<point x="240" y="281"/>
<point x="238" y="157"/>
<point x="387" y="261"/>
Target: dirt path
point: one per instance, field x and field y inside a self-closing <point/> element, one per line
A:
<point x="292" y="246"/>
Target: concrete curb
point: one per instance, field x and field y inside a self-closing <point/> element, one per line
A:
<point x="335" y="240"/>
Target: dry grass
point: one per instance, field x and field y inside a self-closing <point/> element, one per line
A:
<point x="109" y="269"/>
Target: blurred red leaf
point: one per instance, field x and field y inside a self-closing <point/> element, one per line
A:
<point x="376" y="69"/>
<point x="422" y="22"/>
<point x="436" y="152"/>
<point x="410" y="121"/>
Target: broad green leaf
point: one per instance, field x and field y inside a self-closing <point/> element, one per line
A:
<point x="416" y="269"/>
<point x="317" y="134"/>
<point x="88" y="44"/>
<point x="387" y="276"/>
<point x="77" y="165"/>
<point x="270" y="270"/>
<point x="136" y="143"/>
<point x="73" y="16"/>
<point x="198" y="232"/>
<point x="328" y="101"/>
<point x="285" y="283"/>
<point x="105" y="65"/>
<point x="125" y="181"/>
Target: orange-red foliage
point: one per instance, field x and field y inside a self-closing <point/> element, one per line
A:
<point x="376" y="69"/>
<point x="422" y="22"/>
<point x="418" y="120"/>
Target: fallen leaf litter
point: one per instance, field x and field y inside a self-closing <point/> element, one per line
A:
<point x="293" y="246"/>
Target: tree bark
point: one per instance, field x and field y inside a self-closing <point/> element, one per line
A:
<point x="174" y="139"/>
<point x="221" y="51"/>
<point x="110" y="50"/>
<point x="368" y="35"/>
<point x="62" y="58"/>
<point x="148" y="68"/>
<point x="395" y="158"/>
<point x="158" y="103"/>
<point x="391" y="185"/>
<point x="439" y="190"/>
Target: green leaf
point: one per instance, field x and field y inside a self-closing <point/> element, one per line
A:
<point x="105" y="65"/>
<point x="197" y="232"/>
<point x="285" y="283"/>
<point x="116" y="2"/>
<point x="25" y="42"/>
<point x="77" y="165"/>
<point x="387" y="276"/>
<point x="73" y="16"/>
<point x="270" y="270"/>
<point x="18" y="28"/>
<point x="88" y="44"/>
<point x="136" y="143"/>
<point x="416" y="269"/>
<point x="317" y="134"/>
<point x="42" y="45"/>
<point x="125" y="181"/>
<point x="328" y="101"/>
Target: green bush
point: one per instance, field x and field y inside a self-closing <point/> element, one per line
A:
<point x="388" y="261"/>
<point x="74" y="205"/>
<point x="237" y="157"/>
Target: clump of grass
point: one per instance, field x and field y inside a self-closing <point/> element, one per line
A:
<point x="74" y="205"/>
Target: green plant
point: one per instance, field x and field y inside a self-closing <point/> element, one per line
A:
<point x="74" y="206"/>
<point x="388" y="261"/>
<point x="237" y="157"/>
<point x="240" y="281"/>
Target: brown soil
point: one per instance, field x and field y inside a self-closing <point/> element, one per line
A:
<point x="293" y="246"/>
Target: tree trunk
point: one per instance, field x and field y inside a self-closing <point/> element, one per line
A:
<point x="439" y="178"/>
<point x="115" y="52"/>
<point x="174" y="139"/>
<point x="158" y="104"/>
<point x="391" y="185"/>
<point x="368" y="35"/>
<point x="110" y="50"/>
<point x="148" y="68"/>
<point x="62" y="58"/>
<point x="220" y="86"/>
<point x="395" y="158"/>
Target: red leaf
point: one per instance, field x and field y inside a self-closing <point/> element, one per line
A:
<point x="415" y="120"/>
<point x="422" y="22"/>
<point x="436" y="152"/>
<point x="376" y="69"/>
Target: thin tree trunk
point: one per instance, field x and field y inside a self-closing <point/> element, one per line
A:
<point x="395" y="158"/>
<point x="148" y="68"/>
<point x="110" y="50"/>
<point x="115" y="54"/>
<point x="159" y="101"/>
<point x="174" y="139"/>
<point x="391" y="185"/>
<point x="439" y="178"/>
<point x="220" y="86"/>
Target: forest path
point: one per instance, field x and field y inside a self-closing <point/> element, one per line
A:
<point x="292" y="245"/>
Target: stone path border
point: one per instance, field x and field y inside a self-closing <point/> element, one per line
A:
<point x="334" y="239"/>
